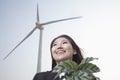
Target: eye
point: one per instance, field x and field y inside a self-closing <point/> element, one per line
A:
<point x="65" y="42"/>
<point x="54" y="44"/>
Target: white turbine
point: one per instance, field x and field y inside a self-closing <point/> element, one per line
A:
<point x="39" y="26"/>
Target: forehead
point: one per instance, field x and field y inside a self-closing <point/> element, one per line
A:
<point x="61" y="39"/>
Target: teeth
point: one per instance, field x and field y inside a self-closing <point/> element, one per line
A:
<point x="60" y="52"/>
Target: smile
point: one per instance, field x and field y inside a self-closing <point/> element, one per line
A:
<point x="60" y="51"/>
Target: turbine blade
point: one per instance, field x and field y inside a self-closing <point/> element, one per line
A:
<point x="20" y="43"/>
<point x="37" y="13"/>
<point x="50" y="22"/>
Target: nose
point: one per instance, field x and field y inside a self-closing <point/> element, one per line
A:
<point x="59" y="46"/>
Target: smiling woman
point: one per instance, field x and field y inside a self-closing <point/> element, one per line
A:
<point x="62" y="48"/>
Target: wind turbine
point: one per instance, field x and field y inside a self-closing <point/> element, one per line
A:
<point x="40" y="27"/>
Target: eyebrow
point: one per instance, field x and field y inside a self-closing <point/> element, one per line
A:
<point x="62" y="41"/>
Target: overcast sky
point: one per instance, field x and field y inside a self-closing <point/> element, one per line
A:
<point x="97" y="33"/>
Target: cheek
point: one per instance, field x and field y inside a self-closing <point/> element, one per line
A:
<point x="53" y="51"/>
<point x="69" y="49"/>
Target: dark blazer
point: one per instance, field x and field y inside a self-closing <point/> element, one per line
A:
<point x="45" y="76"/>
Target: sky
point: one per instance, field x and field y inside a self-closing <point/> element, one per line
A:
<point x="97" y="33"/>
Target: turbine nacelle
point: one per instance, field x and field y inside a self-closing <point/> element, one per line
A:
<point x="39" y="26"/>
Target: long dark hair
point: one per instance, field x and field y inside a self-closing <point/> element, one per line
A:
<point x="77" y="58"/>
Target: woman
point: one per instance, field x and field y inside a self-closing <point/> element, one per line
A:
<point x="62" y="48"/>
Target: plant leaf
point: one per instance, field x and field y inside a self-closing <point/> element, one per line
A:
<point x="87" y="60"/>
<point x="83" y="75"/>
<point x="68" y="64"/>
<point x="89" y="67"/>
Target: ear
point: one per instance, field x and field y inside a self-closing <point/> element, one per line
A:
<point x="74" y="53"/>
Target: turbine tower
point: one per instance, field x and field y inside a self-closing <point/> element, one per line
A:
<point x="40" y="27"/>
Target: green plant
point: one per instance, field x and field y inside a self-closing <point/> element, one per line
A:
<point x="74" y="71"/>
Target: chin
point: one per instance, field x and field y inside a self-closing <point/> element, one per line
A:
<point x="59" y="60"/>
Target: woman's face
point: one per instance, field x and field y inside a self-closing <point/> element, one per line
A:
<point x="62" y="49"/>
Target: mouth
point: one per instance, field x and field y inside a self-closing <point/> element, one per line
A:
<point x="60" y="51"/>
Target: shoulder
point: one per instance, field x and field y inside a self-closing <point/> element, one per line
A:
<point x="48" y="75"/>
<point x="39" y="76"/>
